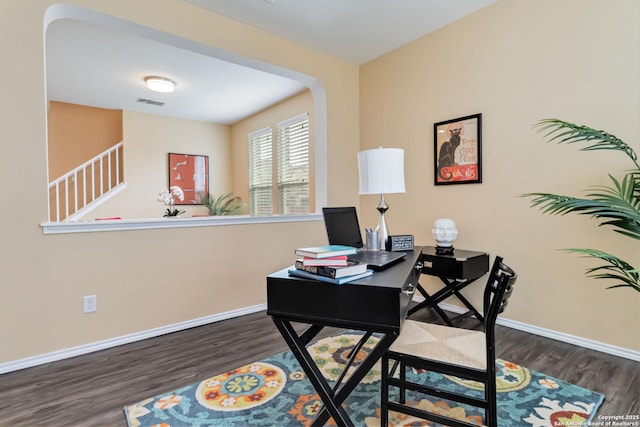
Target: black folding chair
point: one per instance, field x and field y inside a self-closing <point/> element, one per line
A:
<point x="463" y="353"/>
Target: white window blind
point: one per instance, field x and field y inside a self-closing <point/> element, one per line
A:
<point x="200" y="178"/>
<point x="260" y="172"/>
<point x="293" y="165"/>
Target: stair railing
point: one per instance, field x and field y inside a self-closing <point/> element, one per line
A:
<point x="81" y="189"/>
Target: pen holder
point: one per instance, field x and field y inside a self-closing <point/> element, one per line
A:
<point x="371" y="241"/>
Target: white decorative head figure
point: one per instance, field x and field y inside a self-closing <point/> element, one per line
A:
<point x="445" y="232"/>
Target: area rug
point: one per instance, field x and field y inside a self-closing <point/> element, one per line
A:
<point x="275" y="392"/>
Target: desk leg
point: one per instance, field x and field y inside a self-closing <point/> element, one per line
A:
<point x="356" y="377"/>
<point x="452" y="287"/>
<point x="429" y="302"/>
<point x="310" y="333"/>
<point x="456" y="290"/>
<point x="321" y="386"/>
<point x="332" y="399"/>
<point x="423" y="304"/>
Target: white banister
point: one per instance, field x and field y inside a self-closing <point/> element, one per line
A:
<point x="97" y="167"/>
<point x="84" y="184"/>
<point x="117" y="163"/>
<point x="93" y="182"/>
<point x="101" y="177"/>
<point x="66" y="196"/>
<point x="57" y="198"/>
<point x="75" y="192"/>
<point x="109" y="172"/>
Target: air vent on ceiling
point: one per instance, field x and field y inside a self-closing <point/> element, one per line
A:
<point x="150" y="101"/>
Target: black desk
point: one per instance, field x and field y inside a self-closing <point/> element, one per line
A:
<point x="377" y="303"/>
<point x="457" y="271"/>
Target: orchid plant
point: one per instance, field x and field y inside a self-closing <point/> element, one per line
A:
<point x="166" y="197"/>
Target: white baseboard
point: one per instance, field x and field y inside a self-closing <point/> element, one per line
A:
<point x="151" y="333"/>
<point x="558" y="336"/>
<point x="126" y="339"/>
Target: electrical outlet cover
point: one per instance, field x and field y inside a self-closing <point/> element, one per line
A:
<point x="90" y="304"/>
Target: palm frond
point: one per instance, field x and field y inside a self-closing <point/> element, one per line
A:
<point x="232" y="205"/>
<point x="617" y="269"/>
<point x="618" y="205"/>
<point x="225" y="204"/>
<point x="560" y="131"/>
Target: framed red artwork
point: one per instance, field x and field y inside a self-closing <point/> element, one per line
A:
<point x="190" y="172"/>
<point x="457" y="150"/>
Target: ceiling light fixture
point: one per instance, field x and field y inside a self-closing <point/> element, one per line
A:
<point x="160" y="84"/>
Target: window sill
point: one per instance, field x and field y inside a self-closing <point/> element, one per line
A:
<point x="153" y="223"/>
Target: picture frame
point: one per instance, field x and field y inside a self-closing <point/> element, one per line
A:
<point x="190" y="172"/>
<point x="457" y="148"/>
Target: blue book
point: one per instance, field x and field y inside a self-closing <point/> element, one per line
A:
<point x="339" y="281"/>
<point x="326" y="251"/>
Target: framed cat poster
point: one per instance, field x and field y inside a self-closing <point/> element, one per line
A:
<point x="457" y="150"/>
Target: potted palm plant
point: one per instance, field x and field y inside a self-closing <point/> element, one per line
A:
<point x="227" y="204"/>
<point x="616" y="205"/>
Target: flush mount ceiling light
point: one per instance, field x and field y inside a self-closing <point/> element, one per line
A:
<point x="160" y="84"/>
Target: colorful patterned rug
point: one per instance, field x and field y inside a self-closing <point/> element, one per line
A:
<point x="276" y="392"/>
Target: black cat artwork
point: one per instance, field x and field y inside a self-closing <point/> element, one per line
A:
<point x="447" y="151"/>
<point x="457" y="157"/>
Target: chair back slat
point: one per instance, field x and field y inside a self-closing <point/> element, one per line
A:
<point x="497" y="292"/>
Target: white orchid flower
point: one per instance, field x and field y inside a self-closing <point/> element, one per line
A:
<point x="166" y="197"/>
<point x="177" y="191"/>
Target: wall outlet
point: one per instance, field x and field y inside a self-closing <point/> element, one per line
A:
<point x="90" y="303"/>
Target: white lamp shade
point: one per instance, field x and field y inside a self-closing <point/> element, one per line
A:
<point x="381" y="171"/>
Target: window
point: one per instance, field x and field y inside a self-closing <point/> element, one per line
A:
<point x="292" y="169"/>
<point x="293" y="166"/>
<point x="260" y="172"/>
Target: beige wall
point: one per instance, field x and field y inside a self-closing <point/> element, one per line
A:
<point x="298" y="104"/>
<point x="149" y="138"/>
<point x="135" y="273"/>
<point x="76" y="133"/>
<point x="517" y="62"/>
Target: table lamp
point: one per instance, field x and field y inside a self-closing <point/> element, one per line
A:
<point x="381" y="172"/>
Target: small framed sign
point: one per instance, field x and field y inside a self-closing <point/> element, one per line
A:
<point x="402" y="242"/>
<point x="457" y="147"/>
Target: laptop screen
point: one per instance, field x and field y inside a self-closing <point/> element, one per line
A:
<point x="342" y="226"/>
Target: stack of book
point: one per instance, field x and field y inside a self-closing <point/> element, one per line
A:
<point x="328" y="264"/>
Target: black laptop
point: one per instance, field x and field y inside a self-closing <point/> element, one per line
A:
<point x="343" y="228"/>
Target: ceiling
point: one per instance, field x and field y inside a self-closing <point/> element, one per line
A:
<point x="356" y="30"/>
<point x="101" y="66"/>
<point x="98" y="66"/>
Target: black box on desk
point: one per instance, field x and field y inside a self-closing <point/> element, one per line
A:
<point x="459" y="265"/>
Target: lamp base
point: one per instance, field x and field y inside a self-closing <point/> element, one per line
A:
<point x="383" y="231"/>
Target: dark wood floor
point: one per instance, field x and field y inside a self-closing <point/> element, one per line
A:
<point x="91" y="390"/>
